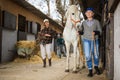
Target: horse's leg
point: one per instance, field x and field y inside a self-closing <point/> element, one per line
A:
<point x="78" y="58"/>
<point x="67" y="53"/>
<point x="75" y="56"/>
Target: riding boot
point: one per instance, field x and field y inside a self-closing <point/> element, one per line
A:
<point x="90" y="74"/>
<point x="97" y="70"/>
<point x="50" y="62"/>
<point x="44" y="62"/>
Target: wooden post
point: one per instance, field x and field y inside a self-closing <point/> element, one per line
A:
<point x="0" y="35"/>
<point x="110" y="47"/>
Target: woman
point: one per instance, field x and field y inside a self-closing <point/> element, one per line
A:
<point x="46" y="42"/>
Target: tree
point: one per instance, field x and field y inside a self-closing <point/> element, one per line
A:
<point x="48" y="4"/>
<point x="75" y="2"/>
<point x="71" y="2"/>
<point x="61" y="9"/>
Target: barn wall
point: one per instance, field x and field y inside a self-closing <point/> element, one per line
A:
<point x="30" y="37"/>
<point x="8" y="38"/>
<point x="16" y="9"/>
<point x="117" y="43"/>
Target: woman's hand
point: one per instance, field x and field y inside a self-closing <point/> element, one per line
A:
<point x="47" y="35"/>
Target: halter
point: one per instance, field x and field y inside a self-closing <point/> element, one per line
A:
<point x="74" y="21"/>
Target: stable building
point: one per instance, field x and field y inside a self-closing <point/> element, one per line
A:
<point x="107" y="12"/>
<point x="110" y="39"/>
<point x="19" y="21"/>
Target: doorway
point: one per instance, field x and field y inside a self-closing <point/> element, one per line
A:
<point x="21" y="28"/>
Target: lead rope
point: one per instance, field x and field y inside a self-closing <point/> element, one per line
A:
<point x="92" y="44"/>
<point x="95" y="49"/>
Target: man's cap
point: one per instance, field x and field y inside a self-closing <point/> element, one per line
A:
<point x="90" y="9"/>
<point x="46" y="20"/>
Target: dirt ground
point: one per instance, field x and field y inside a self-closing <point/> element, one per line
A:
<point x="33" y="70"/>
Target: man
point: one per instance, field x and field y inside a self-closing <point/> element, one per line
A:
<point x="46" y="35"/>
<point x="60" y="46"/>
<point x="91" y="30"/>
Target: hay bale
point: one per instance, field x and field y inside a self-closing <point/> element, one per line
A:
<point x="33" y="59"/>
<point x="36" y="58"/>
<point x="54" y="56"/>
<point x="26" y="48"/>
<point x="26" y="44"/>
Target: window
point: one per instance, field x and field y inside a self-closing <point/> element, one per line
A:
<point x="8" y="20"/>
<point x="29" y="26"/>
<point x="21" y="23"/>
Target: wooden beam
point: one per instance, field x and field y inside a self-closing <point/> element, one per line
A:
<point x="0" y="35"/>
<point x="113" y="5"/>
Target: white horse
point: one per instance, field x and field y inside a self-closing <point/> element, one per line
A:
<point x="70" y="35"/>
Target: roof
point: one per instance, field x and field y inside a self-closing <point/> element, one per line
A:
<point x="96" y="4"/>
<point x="37" y="12"/>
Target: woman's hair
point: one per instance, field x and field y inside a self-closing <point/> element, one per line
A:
<point x="44" y="24"/>
<point x="45" y="20"/>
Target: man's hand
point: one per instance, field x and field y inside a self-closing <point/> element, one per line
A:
<point x="93" y="33"/>
<point x="77" y="33"/>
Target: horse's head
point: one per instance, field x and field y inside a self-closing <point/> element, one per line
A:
<point x="73" y="16"/>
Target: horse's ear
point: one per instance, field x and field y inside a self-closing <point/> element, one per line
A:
<point x="64" y="18"/>
<point x="66" y="14"/>
<point x="79" y="12"/>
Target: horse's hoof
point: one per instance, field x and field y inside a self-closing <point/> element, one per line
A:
<point x="78" y="68"/>
<point x="67" y="70"/>
<point x="74" y="72"/>
<point x="83" y="67"/>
